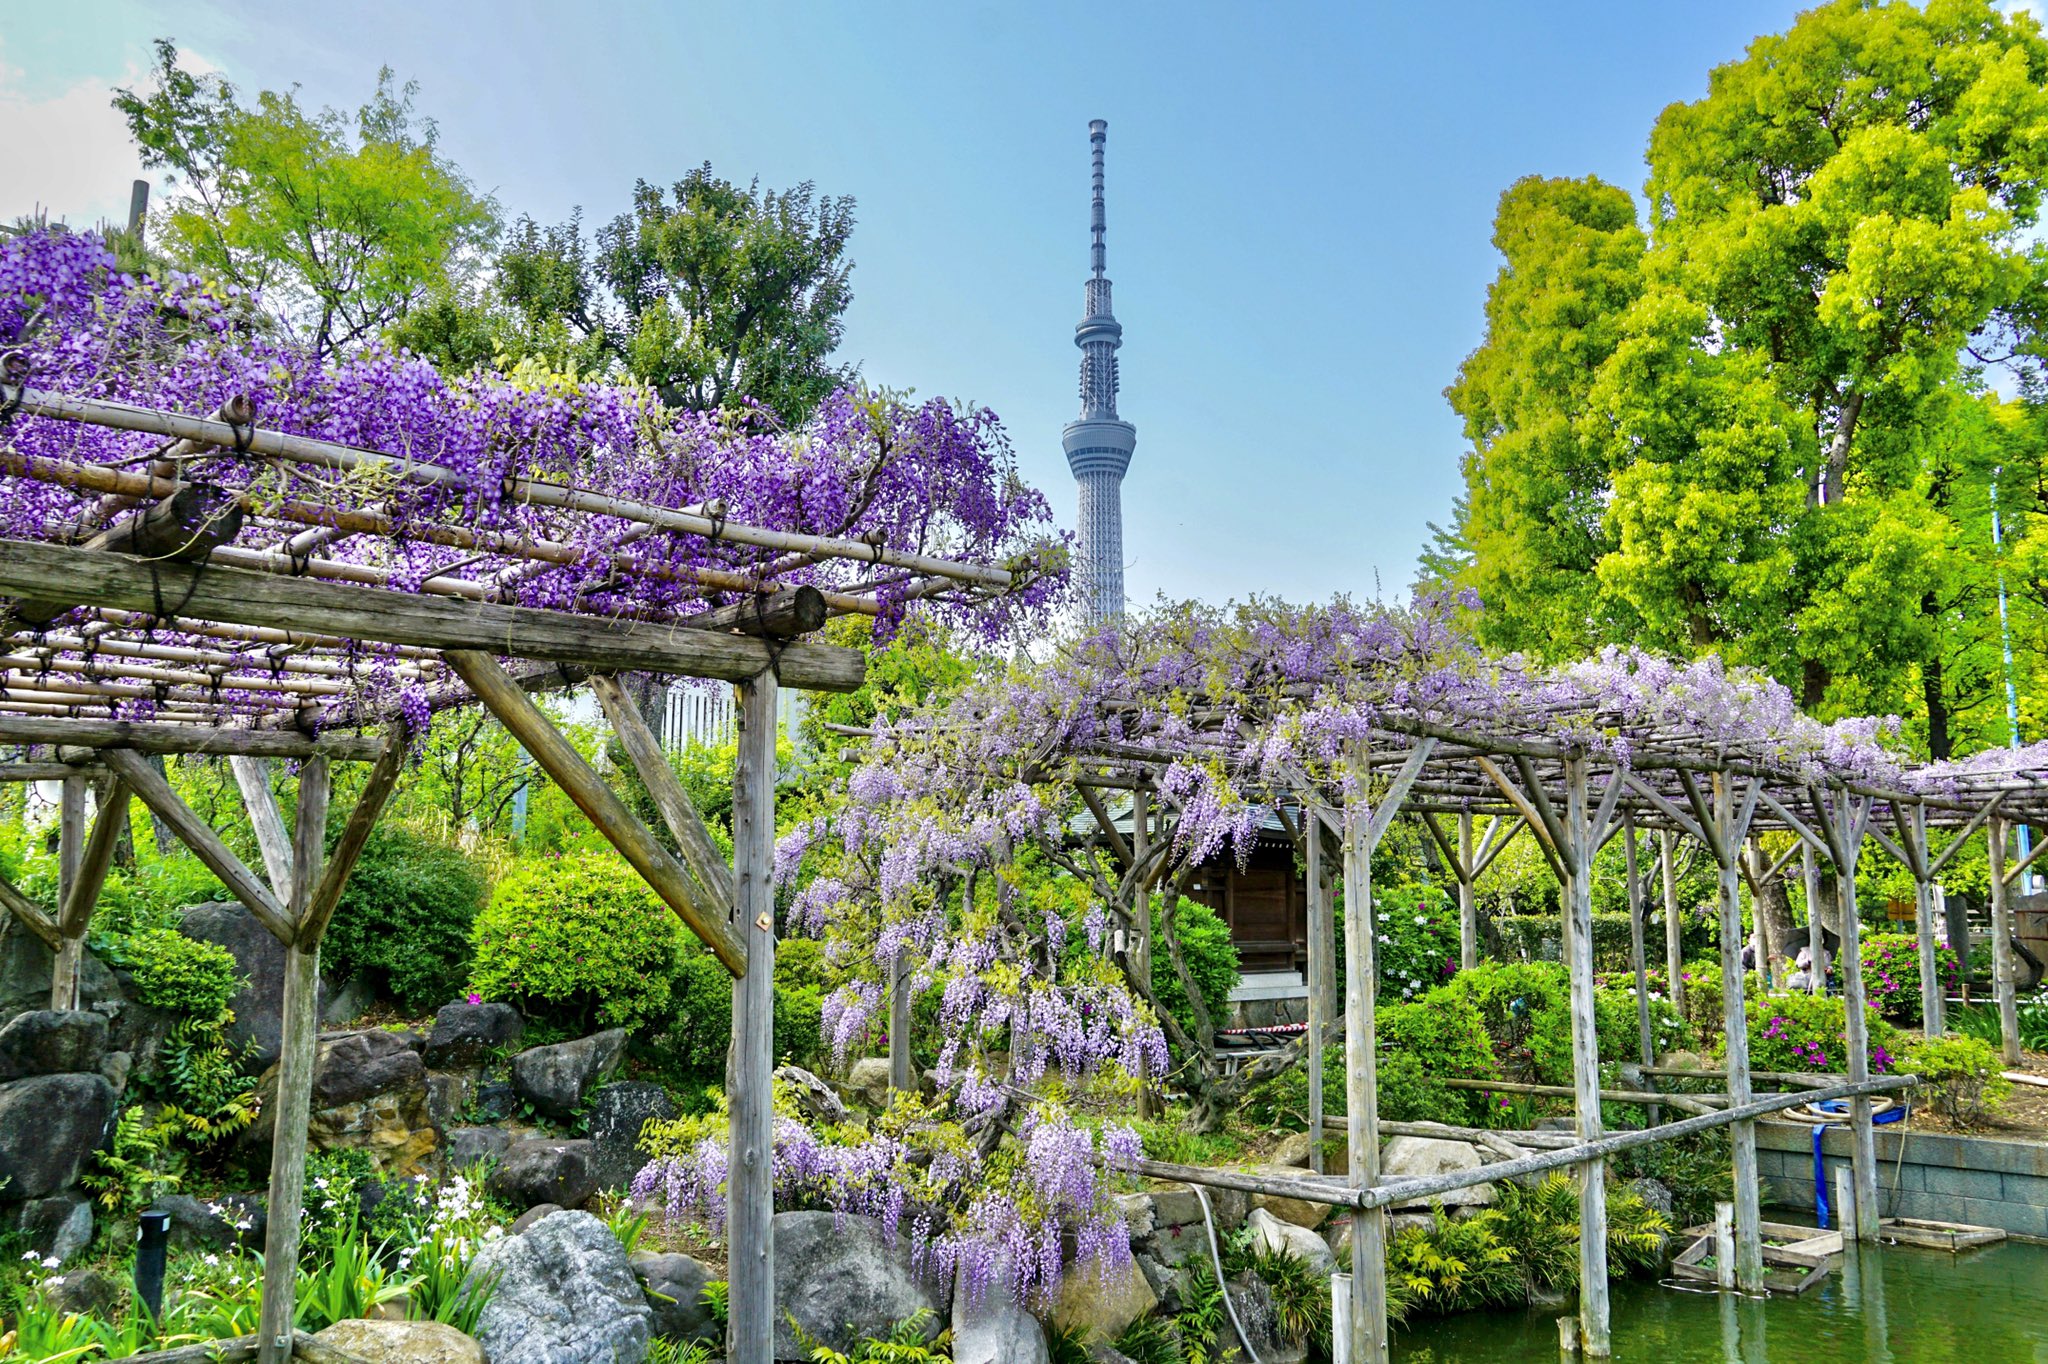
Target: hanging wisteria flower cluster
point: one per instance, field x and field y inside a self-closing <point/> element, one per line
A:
<point x="1019" y="1220"/>
<point x="931" y="478"/>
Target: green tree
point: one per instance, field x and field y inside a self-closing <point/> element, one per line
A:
<point x="1762" y="431"/>
<point x="342" y="226"/>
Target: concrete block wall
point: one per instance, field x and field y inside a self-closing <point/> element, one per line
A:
<point x="1983" y="1181"/>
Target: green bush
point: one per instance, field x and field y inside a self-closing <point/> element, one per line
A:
<point x="576" y="942"/>
<point x="1962" y="1077"/>
<point x="1525" y="1009"/>
<point x="178" y="974"/>
<point x="1807" y="1033"/>
<point x="1540" y="937"/>
<point x="406" y="916"/>
<point x="1891" y="974"/>
<point x="1420" y="1043"/>
<point x="1616" y="1024"/>
<point x="1208" y="953"/>
<point x="150" y="894"/>
<point x="1416" y="928"/>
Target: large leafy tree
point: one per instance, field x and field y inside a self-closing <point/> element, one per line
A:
<point x="1765" y="431"/>
<point x="342" y="226"/>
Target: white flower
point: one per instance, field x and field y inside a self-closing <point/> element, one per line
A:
<point x="1384" y="938"/>
<point x="1383" y="917"/>
<point x="29" y="1255"/>
<point x="212" y="1259"/>
<point x="1422" y="918"/>
<point x="51" y="1262"/>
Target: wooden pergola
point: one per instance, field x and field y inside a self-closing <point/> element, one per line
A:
<point x="172" y="615"/>
<point x="1574" y="775"/>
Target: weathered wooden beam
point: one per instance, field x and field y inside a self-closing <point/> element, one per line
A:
<point x="559" y="759"/>
<point x="163" y="737"/>
<point x="1368" y="1343"/>
<point x="70" y="963"/>
<point x="252" y="776"/>
<point x="238" y="596"/>
<point x="774" y="615"/>
<point x="186" y="526"/>
<point x="2002" y="966"/>
<point x="154" y="791"/>
<point x="1578" y="840"/>
<point x="701" y="854"/>
<point x="300" y="1044"/>
<point x="750" y="1172"/>
<point x="34" y="771"/>
<point x="1727" y="817"/>
<point x="326" y="896"/>
<point x="32" y="915"/>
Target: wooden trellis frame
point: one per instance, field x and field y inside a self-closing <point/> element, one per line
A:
<point x="265" y="667"/>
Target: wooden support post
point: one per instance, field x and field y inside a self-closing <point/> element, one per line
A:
<point x="74" y="914"/>
<point x="899" y="1021"/>
<point x="750" y="1172"/>
<point x="1846" y="824"/>
<point x="560" y="760"/>
<point x="252" y="777"/>
<point x="1468" y="897"/>
<point x="1141" y="926"/>
<point x="1576" y="851"/>
<point x="1724" y="1245"/>
<point x="1646" y="1045"/>
<point x="1674" y="932"/>
<point x="1816" y="931"/>
<point x="1915" y="830"/>
<point x="301" y="1041"/>
<point x="70" y="961"/>
<point x="700" y="852"/>
<point x="1318" y="964"/>
<point x="1368" y="1343"/>
<point x="1730" y="825"/>
<point x="2001" y="945"/>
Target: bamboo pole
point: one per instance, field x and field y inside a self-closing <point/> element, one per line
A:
<point x="328" y="454"/>
<point x="750" y="1175"/>
<point x="2001" y="946"/>
<point x="1576" y="849"/>
<point x="621" y="828"/>
<point x="1368" y="1344"/>
<point x="163" y="738"/>
<point x="301" y="1041"/>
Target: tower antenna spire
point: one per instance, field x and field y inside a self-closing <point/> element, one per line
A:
<point x="1100" y="443"/>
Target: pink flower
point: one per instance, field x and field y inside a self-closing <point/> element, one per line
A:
<point x="475" y="998"/>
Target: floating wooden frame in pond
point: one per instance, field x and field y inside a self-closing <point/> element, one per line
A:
<point x="1795" y="1257"/>
<point x="1949" y="1236"/>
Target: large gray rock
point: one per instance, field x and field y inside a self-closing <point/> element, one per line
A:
<point x="467" y="1146"/>
<point x="464" y="1034"/>
<point x="58" y="1227"/>
<point x="868" y="1081"/>
<point x="565" y="1295"/>
<point x="83" y="1293"/>
<point x="555" y="1079"/>
<point x="1299" y="1211"/>
<point x="49" y="1124"/>
<point x="545" y="1170"/>
<point x="613" y="1121"/>
<point x="25" y="968"/>
<point x="401" y="1342"/>
<point x="354" y="1066"/>
<point x="259" y="1004"/>
<point x="52" y="1042"/>
<point x="1253" y="1300"/>
<point x="993" y="1329"/>
<point x="840" y="1279"/>
<point x="1274" y="1234"/>
<point x="1421" y="1157"/>
<point x="674" y="1285"/>
<point x="217" y="1225"/>
<point x="1101" y="1304"/>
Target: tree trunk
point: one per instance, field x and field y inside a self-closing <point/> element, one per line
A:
<point x="1773" y="907"/>
<point x="1940" y="744"/>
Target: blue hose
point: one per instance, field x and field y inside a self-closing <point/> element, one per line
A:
<point x="1839" y="1107"/>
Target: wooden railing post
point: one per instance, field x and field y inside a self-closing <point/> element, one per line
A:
<point x="750" y="1171"/>
<point x="1579" y="846"/>
<point x="2002" y="971"/>
<point x="1368" y="1343"/>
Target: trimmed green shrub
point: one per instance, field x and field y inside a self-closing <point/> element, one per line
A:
<point x="1961" y="1077"/>
<point x="406" y="916"/>
<point x="1420" y="1043"/>
<point x="578" y="942"/>
<point x="1525" y="1009"/>
<point x="178" y="974"/>
<point x="1210" y="956"/>
<point x="1801" y="1032"/>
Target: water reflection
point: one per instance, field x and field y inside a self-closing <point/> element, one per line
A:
<point x="1891" y="1305"/>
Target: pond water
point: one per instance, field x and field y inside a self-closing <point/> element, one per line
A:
<point x="1889" y="1305"/>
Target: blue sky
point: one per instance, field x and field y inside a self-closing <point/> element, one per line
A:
<point x="1300" y="199"/>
